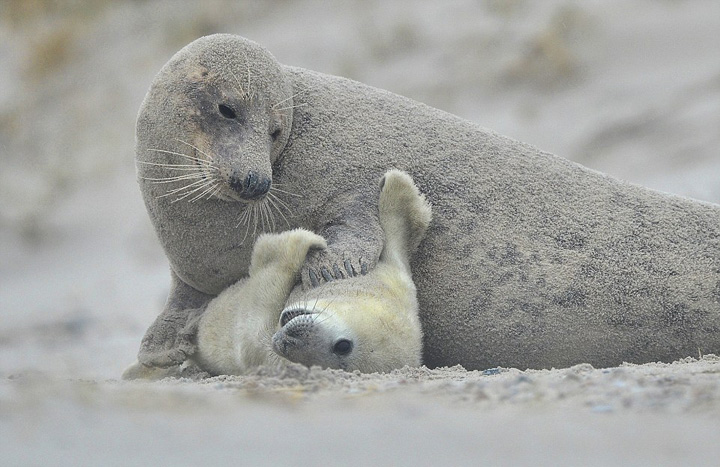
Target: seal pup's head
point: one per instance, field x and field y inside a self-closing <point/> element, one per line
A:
<point x="368" y="323"/>
<point x="213" y="122"/>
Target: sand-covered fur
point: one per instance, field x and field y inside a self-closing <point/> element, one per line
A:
<point x="531" y="261"/>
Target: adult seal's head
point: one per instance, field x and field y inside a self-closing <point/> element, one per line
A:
<point x="215" y="119"/>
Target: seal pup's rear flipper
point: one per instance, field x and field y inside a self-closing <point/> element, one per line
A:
<point x="405" y="216"/>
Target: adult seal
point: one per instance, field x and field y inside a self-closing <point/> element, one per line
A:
<point x="531" y="260"/>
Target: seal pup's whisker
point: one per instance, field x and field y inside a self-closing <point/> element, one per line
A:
<point x="322" y="316"/>
<point x="322" y="313"/>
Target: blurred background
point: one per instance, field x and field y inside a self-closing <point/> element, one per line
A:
<point x="631" y="88"/>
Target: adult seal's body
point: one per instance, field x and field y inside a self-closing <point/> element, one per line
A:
<point x="531" y="261"/>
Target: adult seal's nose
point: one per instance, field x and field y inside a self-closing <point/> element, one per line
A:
<point x="252" y="186"/>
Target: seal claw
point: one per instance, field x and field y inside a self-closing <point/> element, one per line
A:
<point x="326" y="274"/>
<point x="313" y="278"/>
<point x="349" y="269"/>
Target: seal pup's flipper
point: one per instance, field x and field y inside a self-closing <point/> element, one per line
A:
<point x="405" y="216"/>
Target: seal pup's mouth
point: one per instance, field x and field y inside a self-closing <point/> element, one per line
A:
<point x="289" y="314"/>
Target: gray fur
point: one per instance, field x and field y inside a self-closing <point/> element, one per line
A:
<point x="531" y="260"/>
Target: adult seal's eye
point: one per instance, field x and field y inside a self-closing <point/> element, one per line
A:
<point x="342" y="347"/>
<point x="226" y="111"/>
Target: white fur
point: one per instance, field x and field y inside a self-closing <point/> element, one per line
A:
<point x="235" y="330"/>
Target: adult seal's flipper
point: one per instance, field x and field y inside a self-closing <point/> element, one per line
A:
<point x="171" y="338"/>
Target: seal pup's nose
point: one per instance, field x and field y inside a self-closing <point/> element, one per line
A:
<point x="290" y="313"/>
<point x="252" y="186"/>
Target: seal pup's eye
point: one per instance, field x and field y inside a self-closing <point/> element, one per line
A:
<point x="275" y="134"/>
<point x="226" y="111"/>
<point x="342" y="347"/>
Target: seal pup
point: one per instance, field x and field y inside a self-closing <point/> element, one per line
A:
<point x="368" y="323"/>
<point x="235" y="330"/>
<point x="532" y="261"/>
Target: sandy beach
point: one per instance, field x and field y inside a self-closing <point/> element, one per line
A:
<point x="627" y="88"/>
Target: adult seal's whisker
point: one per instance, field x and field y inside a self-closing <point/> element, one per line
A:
<point x="188" y="167"/>
<point x="284" y="192"/>
<point x="180" y="154"/>
<point x="277" y="209"/>
<point x="173" y="179"/>
<point x="209" y="156"/>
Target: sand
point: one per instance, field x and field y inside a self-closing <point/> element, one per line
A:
<point x="629" y="88"/>
<point x="662" y="414"/>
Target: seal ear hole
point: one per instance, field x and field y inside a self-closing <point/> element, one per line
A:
<point x="226" y="111"/>
<point x="342" y="347"/>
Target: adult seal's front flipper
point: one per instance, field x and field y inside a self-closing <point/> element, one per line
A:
<point x="170" y="340"/>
